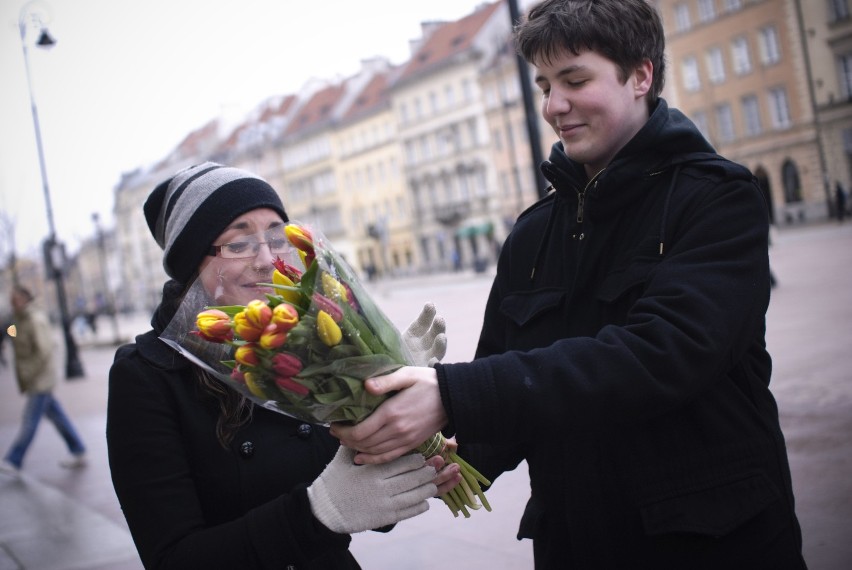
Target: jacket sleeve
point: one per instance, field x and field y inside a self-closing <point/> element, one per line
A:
<point x="699" y="309"/>
<point x="151" y="476"/>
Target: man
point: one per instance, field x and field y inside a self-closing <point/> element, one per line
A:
<point x="622" y="352"/>
<point x="35" y="368"/>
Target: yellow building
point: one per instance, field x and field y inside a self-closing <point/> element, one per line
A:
<point x="740" y="71"/>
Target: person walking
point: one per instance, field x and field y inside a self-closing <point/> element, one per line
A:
<point x="840" y="201"/>
<point x="622" y="352"/>
<point x="34" y="349"/>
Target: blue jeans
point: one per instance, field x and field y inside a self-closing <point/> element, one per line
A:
<point x="39" y="405"/>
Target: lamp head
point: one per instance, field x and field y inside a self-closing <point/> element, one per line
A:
<point x="45" y="40"/>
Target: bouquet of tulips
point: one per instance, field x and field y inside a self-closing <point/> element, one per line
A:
<point x="307" y="348"/>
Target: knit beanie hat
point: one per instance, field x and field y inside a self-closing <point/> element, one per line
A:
<point x="187" y="212"/>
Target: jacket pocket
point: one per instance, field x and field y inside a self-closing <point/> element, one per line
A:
<point x="712" y="511"/>
<point x="534" y="318"/>
<point x="620" y="281"/>
<point x="521" y="308"/>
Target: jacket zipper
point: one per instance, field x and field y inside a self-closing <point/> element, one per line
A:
<point x="581" y="195"/>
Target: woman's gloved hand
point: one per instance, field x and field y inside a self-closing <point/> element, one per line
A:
<point x="426" y="337"/>
<point x="350" y="498"/>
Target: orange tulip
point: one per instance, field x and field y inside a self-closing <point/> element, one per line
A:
<point x="246" y="355"/>
<point x="214" y="325"/>
<point x="285" y="316"/>
<point x="272" y="337"/>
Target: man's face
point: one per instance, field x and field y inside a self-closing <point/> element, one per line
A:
<point x="592" y="111"/>
<point x="18" y="301"/>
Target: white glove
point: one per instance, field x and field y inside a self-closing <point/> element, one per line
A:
<point x="351" y="498"/>
<point x="426" y="337"/>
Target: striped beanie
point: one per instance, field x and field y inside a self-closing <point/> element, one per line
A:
<point x="187" y="212"/>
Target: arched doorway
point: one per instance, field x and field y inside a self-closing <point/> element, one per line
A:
<point x="792" y="190"/>
<point x="792" y="185"/>
<point x="766" y="190"/>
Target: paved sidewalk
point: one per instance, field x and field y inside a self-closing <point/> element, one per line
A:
<point x="52" y="518"/>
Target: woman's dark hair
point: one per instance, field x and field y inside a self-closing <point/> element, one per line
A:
<point x="234" y="408"/>
<point x="627" y="32"/>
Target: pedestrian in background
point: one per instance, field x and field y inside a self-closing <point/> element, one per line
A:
<point x="840" y="201"/>
<point x="205" y="478"/>
<point x="34" y="348"/>
<point x="622" y="353"/>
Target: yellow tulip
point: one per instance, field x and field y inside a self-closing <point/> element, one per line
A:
<point x="333" y="289"/>
<point x="252" y="385"/>
<point x="290" y="296"/>
<point x="328" y="331"/>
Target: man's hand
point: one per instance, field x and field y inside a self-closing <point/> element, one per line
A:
<point x="402" y="422"/>
<point x="426" y="337"/>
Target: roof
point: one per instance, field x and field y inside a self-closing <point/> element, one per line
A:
<point x="318" y="110"/>
<point x="447" y="41"/>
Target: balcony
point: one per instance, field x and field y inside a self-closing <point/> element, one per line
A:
<point x="451" y="214"/>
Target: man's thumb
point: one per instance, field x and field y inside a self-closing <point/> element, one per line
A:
<point x="381" y="385"/>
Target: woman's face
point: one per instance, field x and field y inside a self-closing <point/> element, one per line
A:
<point x="243" y="258"/>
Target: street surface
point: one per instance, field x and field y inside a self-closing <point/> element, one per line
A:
<point x="56" y="519"/>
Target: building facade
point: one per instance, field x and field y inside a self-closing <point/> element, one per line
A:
<point x="754" y="75"/>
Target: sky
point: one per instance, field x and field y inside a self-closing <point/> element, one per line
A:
<point x="128" y="79"/>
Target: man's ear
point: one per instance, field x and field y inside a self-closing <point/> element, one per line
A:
<point x="643" y="78"/>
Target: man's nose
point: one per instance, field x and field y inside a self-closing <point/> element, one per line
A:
<point x="557" y="103"/>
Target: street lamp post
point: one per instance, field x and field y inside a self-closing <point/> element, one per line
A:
<point x="53" y="248"/>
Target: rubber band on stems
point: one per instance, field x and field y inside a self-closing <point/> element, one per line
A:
<point x="464" y="495"/>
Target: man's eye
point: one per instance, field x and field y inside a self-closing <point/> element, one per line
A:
<point x="237" y="246"/>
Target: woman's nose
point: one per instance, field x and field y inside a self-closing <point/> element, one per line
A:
<point x="263" y="254"/>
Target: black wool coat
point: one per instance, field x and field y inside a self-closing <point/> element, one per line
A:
<point x="189" y="502"/>
<point x="622" y="356"/>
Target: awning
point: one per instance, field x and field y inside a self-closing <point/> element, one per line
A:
<point x="486" y="228"/>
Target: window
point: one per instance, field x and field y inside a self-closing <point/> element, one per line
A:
<point x="706" y="10"/>
<point x="733" y="5"/>
<point x="403" y="113"/>
<point x="691" y="79"/>
<point x="682" y="22"/>
<point x="751" y="112"/>
<point x="770" y="50"/>
<point x="433" y="102"/>
<point x="467" y="90"/>
<point x="700" y="120"/>
<point x="715" y="65"/>
<point x="838" y="10"/>
<point x="740" y="55"/>
<point x="418" y="108"/>
<point x="725" y="122"/>
<point x="779" y="109"/>
<point x="450" y="95"/>
<point x="844" y="65"/>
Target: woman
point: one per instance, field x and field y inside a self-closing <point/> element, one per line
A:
<point x="205" y="479"/>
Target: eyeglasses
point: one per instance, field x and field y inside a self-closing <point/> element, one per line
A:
<point x="248" y="246"/>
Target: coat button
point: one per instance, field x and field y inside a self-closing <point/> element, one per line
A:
<point x="304" y="431"/>
<point x="246" y="449"/>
